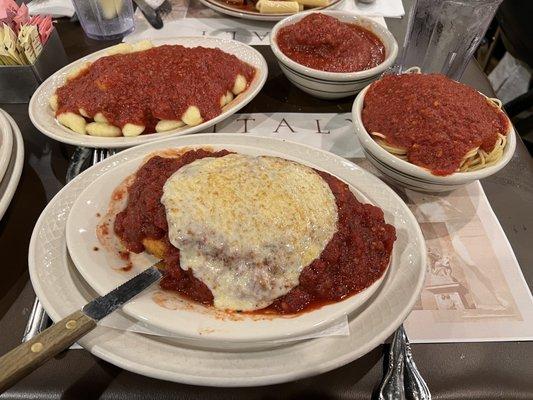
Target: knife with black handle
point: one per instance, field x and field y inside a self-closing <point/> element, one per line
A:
<point x="25" y="358"/>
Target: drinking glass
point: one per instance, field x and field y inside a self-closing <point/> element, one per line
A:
<point x="105" y="19"/>
<point x="442" y="35"/>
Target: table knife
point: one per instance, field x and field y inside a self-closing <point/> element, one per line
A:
<point x="25" y="358"/>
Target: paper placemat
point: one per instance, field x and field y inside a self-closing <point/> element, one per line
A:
<point x="191" y="18"/>
<point x="474" y="289"/>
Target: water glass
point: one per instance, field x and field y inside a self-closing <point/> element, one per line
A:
<point x="105" y="19"/>
<point x="442" y="35"/>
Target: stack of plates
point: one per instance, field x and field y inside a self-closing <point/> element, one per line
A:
<point x="65" y="279"/>
<point x="11" y="159"/>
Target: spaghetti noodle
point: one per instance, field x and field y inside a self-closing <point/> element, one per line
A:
<point x="435" y="123"/>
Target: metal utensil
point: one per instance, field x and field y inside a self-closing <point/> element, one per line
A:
<point x="164" y="8"/>
<point x="392" y="386"/>
<point x="150" y="14"/>
<point x="402" y="379"/>
<point x="38" y="320"/>
<point x="414" y="383"/>
<point x="22" y="360"/>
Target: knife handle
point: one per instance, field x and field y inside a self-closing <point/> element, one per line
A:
<point x="25" y="358"/>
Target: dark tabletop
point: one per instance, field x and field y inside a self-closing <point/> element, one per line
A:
<point x="452" y="371"/>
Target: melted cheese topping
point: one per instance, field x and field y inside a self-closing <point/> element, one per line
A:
<point x="247" y="226"/>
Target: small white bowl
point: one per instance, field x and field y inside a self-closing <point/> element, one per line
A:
<point x="333" y="85"/>
<point x="412" y="176"/>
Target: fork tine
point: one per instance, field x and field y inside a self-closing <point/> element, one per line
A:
<point x="99" y="155"/>
<point x="102" y="154"/>
<point x="95" y="156"/>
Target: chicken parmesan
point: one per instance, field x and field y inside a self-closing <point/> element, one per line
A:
<point x="138" y="89"/>
<point x="253" y="234"/>
<point x="435" y="123"/>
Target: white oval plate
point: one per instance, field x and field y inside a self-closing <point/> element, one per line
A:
<point x="190" y="320"/>
<point x="218" y="5"/>
<point x="6" y="145"/>
<point x="42" y="116"/>
<point x="9" y="184"/>
<point x="62" y="291"/>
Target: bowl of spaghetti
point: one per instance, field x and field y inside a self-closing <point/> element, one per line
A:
<point x="430" y="133"/>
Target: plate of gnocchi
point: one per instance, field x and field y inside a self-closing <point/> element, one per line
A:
<point x="268" y="10"/>
<point x="130" y="94"/>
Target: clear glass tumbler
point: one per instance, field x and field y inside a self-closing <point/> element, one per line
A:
<point x="442" y="35"/>
<point x="105" y="19"/>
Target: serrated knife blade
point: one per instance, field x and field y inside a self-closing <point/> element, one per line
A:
<point x="105" y="305"/>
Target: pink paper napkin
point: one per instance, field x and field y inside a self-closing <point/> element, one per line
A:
<point x="44" y="26"/>
<point x="8" y="10"/>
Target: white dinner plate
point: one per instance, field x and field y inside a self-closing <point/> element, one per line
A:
<point x="62" y="290"/>
<point x="11" y="178"/>
<point x="6" y="145"/>
<point x="43" y="117"/>
<point x="222" y="7"/>
<point x="103" y="269"/>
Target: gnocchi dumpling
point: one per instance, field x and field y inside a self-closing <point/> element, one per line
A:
<point x="142" y="45"/>
<point x="130" y="130"/>
<point x="74" y="73"/>
<point x="275" y="7"/>
<point x="313" y="3"/>
<point x="192" y="116"/>
<point x="239" y="85"/>
<point x="121" y="48"/>
<point x="54" y="102"/>
<point x="103" y="129"/>
<point x="229" y="97"/>
<point x="99" y="117"/>
<point x="167" y="125"/>
<point x="73" y="121"/>
<point x="226" y="98"/>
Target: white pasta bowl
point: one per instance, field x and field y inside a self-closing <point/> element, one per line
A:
<point x="333" y="85"/>
<point x="412" y="176"/>
<point x="44" y="119"/>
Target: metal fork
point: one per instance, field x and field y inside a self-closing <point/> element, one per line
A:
<point x="402" y="379"/>
<point x="38" y="319"/>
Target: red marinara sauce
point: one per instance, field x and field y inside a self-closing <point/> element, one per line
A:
<point x="322" y="42"/>
<point x="356" y="256"/>
<point x="155" y="84"/>
<point x="436" y="119"/>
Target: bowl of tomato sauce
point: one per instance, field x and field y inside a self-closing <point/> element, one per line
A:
<point x="332" y="54"/>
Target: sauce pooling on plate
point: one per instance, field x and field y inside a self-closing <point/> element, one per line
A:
<point x="160" y="83"/>
<point x="322" y="42"/>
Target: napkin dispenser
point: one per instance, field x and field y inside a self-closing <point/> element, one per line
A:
<point x="18" y="82"/>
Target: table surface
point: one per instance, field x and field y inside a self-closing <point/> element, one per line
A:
<point x="452" y="371"/>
